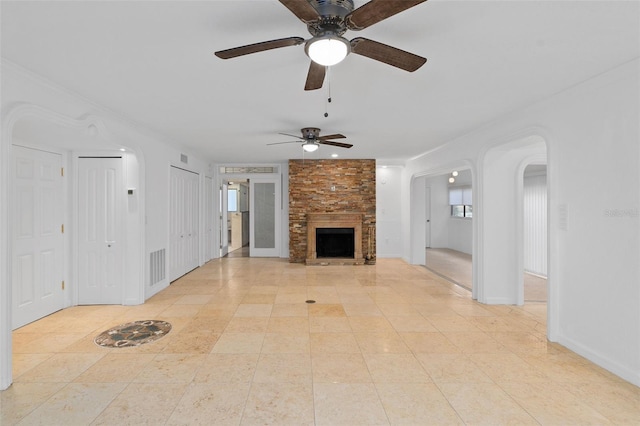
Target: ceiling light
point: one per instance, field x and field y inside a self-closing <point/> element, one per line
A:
<point x="328" y="49"/>
<point x="454" y="173"/>
<point x="451" y="180"/>
<point x="309" y="146"/>
<point x="122" y="149"/>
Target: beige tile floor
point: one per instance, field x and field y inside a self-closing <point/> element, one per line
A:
<point x="456" y="267"/>
<point x="388" y="343"/>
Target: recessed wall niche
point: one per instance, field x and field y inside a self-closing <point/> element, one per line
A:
<point x="331" y="186"/>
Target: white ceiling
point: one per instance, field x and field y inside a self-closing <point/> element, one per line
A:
<point x="153" y="63"/>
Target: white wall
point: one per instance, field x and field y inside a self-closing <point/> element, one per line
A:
<point x="592" y="138"/>
<point x="388" y="219"/>
<point x="460" y="235"/>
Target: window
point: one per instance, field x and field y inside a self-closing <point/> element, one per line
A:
<point x="462" y="211"/>
<point x="460" y="200"/>
<point x="247" y="169"/>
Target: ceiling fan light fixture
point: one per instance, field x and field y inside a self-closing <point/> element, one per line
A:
<point x="327" y="50"/>
<point x="310" y="146"/>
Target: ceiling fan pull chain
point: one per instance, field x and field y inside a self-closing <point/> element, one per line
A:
<point x="326" y="105"/>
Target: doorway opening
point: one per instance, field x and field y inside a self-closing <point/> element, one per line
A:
<point x="250" y="210"/>
<point x="448" y="226"/>
<point x="238" y="215"/>
<point x="535" y="233"/>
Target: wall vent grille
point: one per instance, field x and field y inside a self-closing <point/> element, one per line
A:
<point x="157" y="266"/>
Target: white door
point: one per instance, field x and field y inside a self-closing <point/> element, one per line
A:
<point x="427" y="225"/>
<point x="224" y="220"/>
<point x="100" y="235"/>
<point x="176" y="224"/>
<point x="264" y="223"/>
<point x="208" y="219"/>
<point x="192" y="218"/>
<point x="183" y="222"/>
<point x="37" y="258"/>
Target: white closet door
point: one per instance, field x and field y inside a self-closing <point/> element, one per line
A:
<point x="427" y="225"/>
<point x="100" y="235"/>
<point x="37" y="259"/>
<point x="183" y="222"/>
<point x="175" y="224"/>
<point x="192" y="238"/>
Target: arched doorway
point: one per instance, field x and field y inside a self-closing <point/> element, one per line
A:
<point x="500" y="214"/>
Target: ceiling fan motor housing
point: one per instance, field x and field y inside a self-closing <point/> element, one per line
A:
<point x="310" y="133"/>
<point x="332" y="14"/>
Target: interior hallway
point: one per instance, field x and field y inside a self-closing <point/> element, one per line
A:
<point x="456" y="267"/>
<point x="388" y="343"/>
<point x="239" y="252"/>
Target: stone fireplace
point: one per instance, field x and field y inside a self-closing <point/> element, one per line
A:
<point x="334" y="227"/>
<point x="332" y="194"/>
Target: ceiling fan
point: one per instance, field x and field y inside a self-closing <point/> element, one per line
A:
<point x="327" y="21"/>
<point x="311" y="139"/>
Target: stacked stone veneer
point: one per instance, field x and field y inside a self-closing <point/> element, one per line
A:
<point x="310" y="191"/>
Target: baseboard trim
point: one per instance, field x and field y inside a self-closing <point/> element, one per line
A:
<point x="155" y="289"/>
<point x="497" y="301"/>
<point x="619" y="370"/>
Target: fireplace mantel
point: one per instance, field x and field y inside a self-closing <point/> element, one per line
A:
<point x="334" y="220"/>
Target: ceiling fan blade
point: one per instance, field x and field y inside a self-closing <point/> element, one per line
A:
<point x="280" y="143"/>
<point x="336" y="136"/>
<point x="293" y="136"/>
<point x="377" y="10"/>
<point x="302" y="9"/>
<point x="315" y="77"/>
<point x="259" y="47"/>
<point x="339" y="144"/>
<point x="387" y="54"/>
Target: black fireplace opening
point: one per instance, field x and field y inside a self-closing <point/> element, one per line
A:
<point x="335" y="242"/>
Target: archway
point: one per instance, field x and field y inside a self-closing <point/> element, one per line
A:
<point x="500" y="218"/>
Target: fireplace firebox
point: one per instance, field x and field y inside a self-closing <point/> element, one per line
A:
<point x="334" y="242"/>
